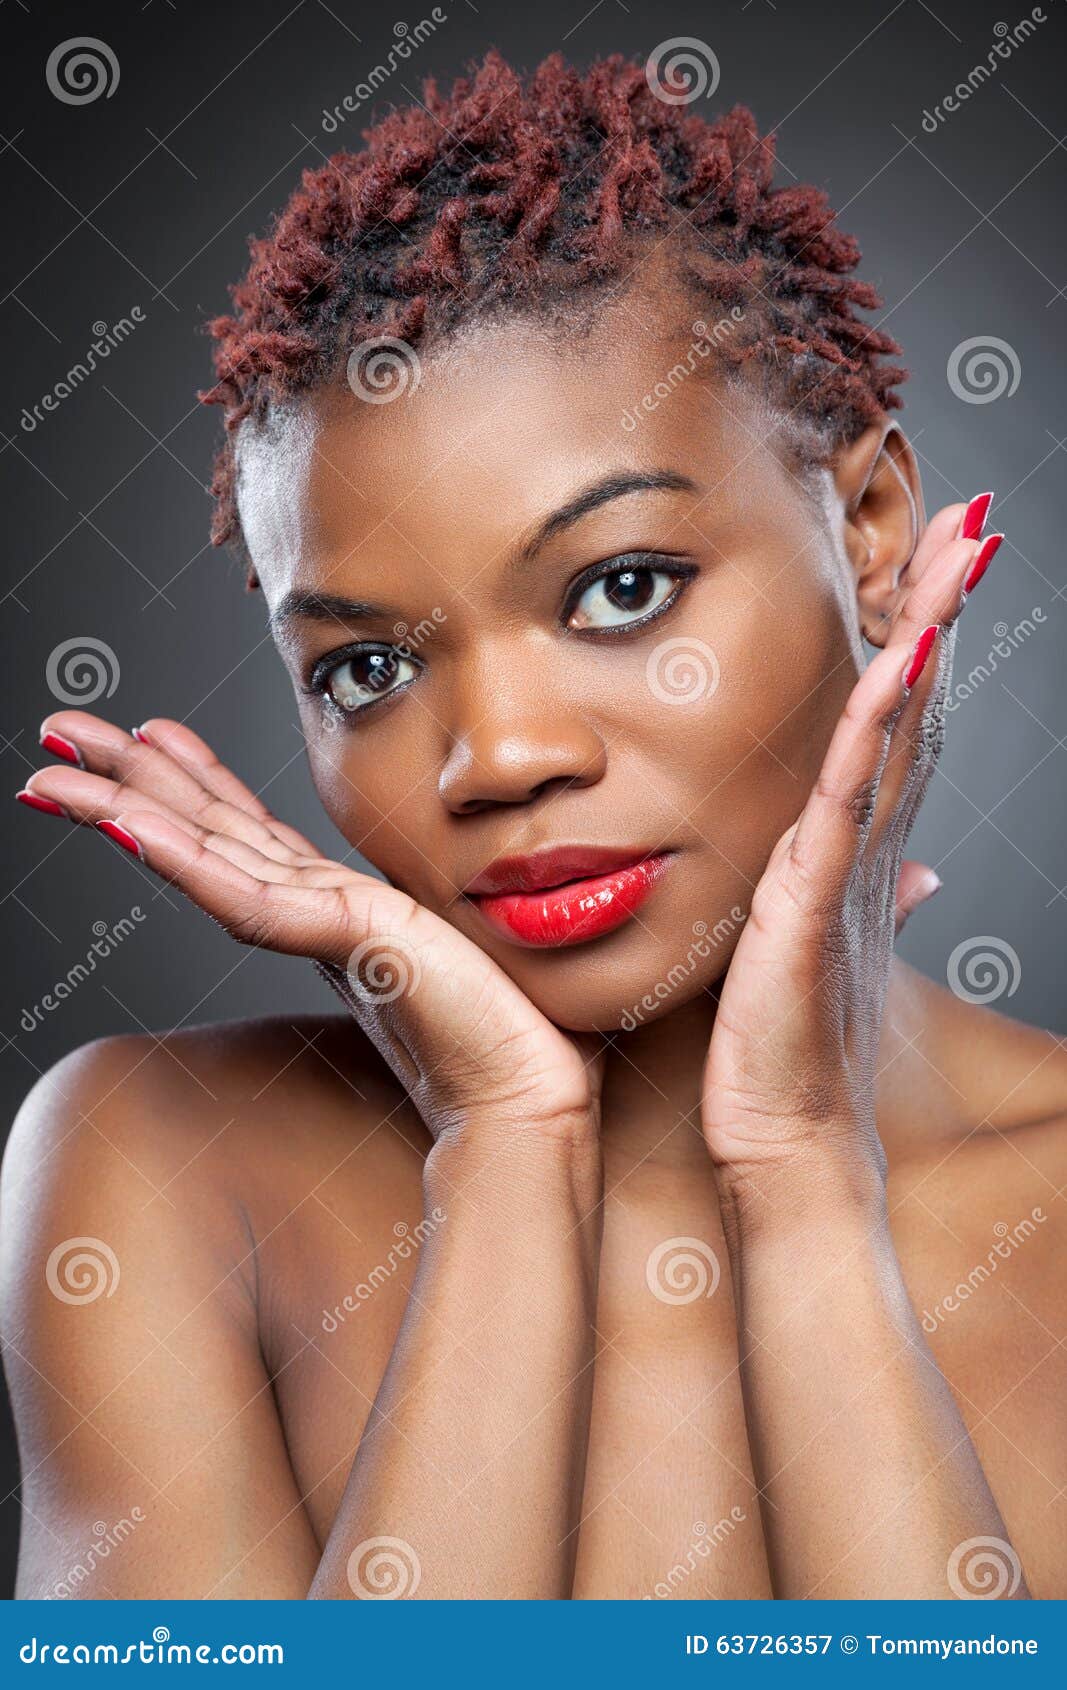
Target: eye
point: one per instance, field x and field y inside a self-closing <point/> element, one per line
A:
<point x="364" y="677"/>
<point x="625" y="594"/>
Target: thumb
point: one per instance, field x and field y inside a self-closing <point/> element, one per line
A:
<point x="915" y="884"/>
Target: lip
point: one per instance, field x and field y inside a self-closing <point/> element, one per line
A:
<point x="567" y="895"/>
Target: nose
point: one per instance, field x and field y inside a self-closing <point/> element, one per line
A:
<point x="512" y="750"/>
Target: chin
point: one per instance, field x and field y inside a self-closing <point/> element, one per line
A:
<point x="626" y="981"/>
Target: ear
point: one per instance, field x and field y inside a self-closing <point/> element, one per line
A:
<point x="877" y="481"/>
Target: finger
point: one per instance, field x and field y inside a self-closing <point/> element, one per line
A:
<point x="919" y="733"/>
<point x="938" y="594"/>
<point x="194" y="753"/>
<point x="915" y="743"/>
<point x="952" y="522"/>
<point x="834" y="823"/>
<point x="243" y="897"/>
<point x="139" y="768"/>
<point x="84" y="797"/>
<point x="916" y="883"/>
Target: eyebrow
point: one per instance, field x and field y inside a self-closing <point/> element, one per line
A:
<point x="323" y="607"/>
<point x="329" y="607"/>
<point x="602" y="492"/>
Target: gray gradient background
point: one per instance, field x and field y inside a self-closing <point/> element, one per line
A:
<point x="147" y="199"/>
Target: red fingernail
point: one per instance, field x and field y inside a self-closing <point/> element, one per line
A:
<point x="121" y="837"/>
<point x="60" y="747"/>
<point x="139" y="734"/>
<point x="986" y="553"/>
<point x="974" y="516"/>
<point x="47" y="806"/>
<point x="923" y="647"/>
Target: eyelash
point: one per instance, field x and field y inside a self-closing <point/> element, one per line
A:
<point x="650" y="563"/>
<point x="643" y="563"/>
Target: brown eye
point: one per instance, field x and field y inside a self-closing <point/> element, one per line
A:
<point x="367" y="677"/>
<point x="626" y="595"/>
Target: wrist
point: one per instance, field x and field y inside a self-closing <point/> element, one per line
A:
<point x="480" y="1154"/>
<point x="833" y="1189"/>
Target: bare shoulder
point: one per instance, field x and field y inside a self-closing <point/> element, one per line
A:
<point x="143" y="1186"/>
<point x="979" y="1214"/>
<point x="223" y="1111"/>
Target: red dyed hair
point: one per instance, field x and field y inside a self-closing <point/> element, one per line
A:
<point x="533" y="195"/>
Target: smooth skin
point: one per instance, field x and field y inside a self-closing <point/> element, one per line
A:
<point x="508" y="1399"/>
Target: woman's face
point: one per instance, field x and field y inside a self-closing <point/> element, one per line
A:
<point x="530" y="614"/>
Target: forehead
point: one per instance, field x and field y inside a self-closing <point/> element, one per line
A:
<point x="493" y="431"/>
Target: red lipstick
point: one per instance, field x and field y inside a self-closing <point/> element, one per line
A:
<point x="567" y="895"/>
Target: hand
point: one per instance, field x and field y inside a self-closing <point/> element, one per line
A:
<point x="791" y="1068"/>
<point x="459" y="1034"/>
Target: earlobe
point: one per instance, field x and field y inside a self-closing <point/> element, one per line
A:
<point x="878" y="482"/>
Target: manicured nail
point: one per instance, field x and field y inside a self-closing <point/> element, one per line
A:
<point x="974" y="516"/>
<point x="47" y="806"/>
<point x="986" y="553"/>
<point x="924" y="645"/>
<point x="60" y="747"/>
<point x="139" y="733"/>
<point x="121" y="837"/>
<point x="928" y="885"/>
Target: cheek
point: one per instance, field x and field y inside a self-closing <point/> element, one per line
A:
<point x="752" y="753"/>
<point x="384" y="801"/>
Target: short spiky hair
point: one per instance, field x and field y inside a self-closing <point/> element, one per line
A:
<point x="512" y="194"/>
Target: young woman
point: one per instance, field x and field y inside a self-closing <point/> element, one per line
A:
<point x="605" y="1243"/>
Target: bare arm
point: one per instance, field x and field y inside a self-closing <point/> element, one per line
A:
<point x="869" y="1481"/>
<point x="468" y="1479"/>
<point x="871" y="1485"/>
<point x="487" y="1395"/>
<point x="153" y="1460"/>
